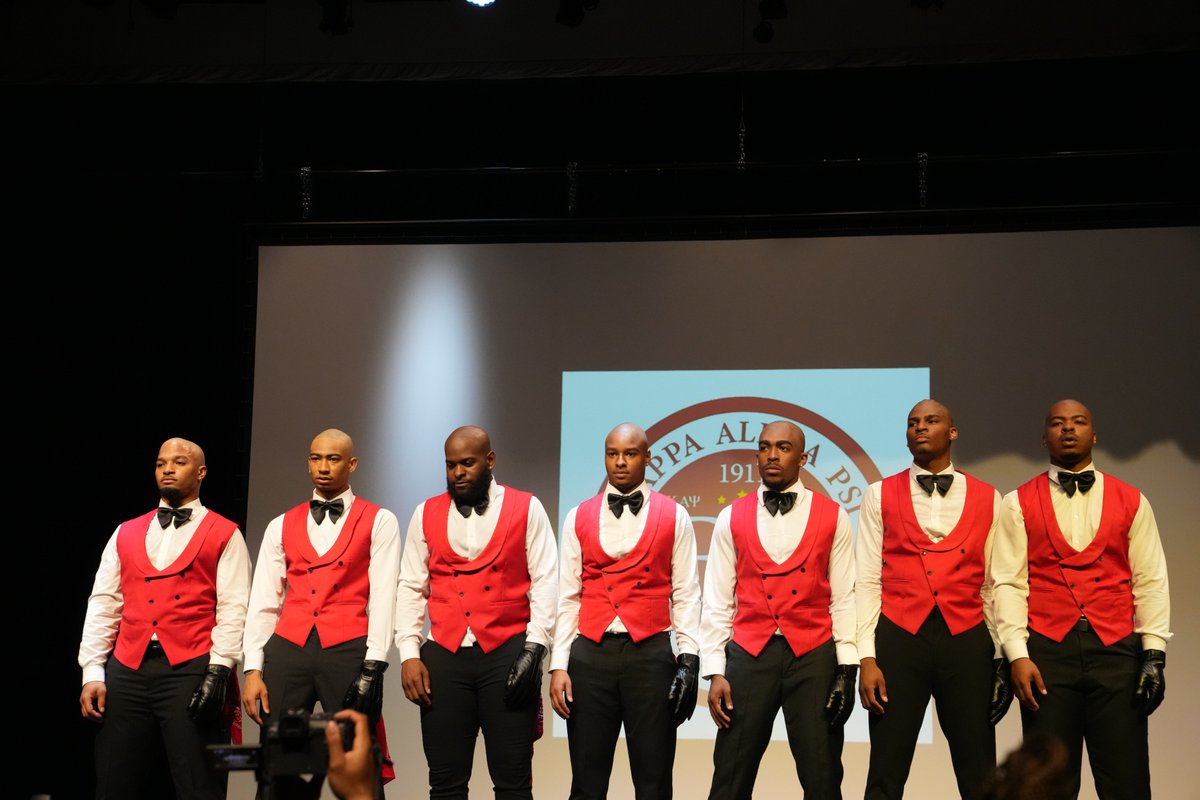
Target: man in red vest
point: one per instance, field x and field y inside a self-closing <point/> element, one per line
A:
<point x="480" y="559"/>
<point x="1082" y="608"/>
<point x="777" y="628"/>
<point x="162" y="633"/>
<point x="323" y="599"/>
<point x="627" y="578"/>
<point x="924" y="603"/>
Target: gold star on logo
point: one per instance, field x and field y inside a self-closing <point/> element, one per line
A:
<point x="742" y="493"/>
<point x="721" y="500"/>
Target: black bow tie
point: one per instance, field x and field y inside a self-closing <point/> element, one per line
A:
<point x="1069" y="480"/>
<point x="617" y="503"/>
<point x="319" y="507"/>
<point x="778" y="502"/>
<point x="180" y="515"/>
<point x="942" y="482"/>
<point x="466" y="508"/>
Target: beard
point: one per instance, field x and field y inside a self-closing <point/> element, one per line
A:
<point x="172" y="495"/>
<point x="474" y="493"/>
<point x="1071" y="458"/>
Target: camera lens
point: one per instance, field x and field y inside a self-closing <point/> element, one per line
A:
<point x="293" y="727"/>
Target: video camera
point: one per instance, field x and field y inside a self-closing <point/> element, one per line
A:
<point x="291" y="745"/>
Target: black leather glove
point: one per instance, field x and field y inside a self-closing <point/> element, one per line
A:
<point x="524" y="677"/>
<point x="841" y="695"/>
<point x="1002" y="693"/>
<point x="684" y="686"/>
<point x="365" y="693"/>
<point x="209" y="697"/>
<point x="1152" y="683"/>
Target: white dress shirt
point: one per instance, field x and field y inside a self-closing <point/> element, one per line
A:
<point x="780" y="536"/>
<point x="163" y="546"/>
<point x="1079" y="518"/>
<point x="937" y="516"/>
<point x="468" y="537"/>
<point x="269" y="592"/>
<point x="618" y="537"/>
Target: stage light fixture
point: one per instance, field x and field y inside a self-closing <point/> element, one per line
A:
<point x="481" y="3"/>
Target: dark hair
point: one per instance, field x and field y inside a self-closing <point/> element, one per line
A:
<point x="1034" y="771"/>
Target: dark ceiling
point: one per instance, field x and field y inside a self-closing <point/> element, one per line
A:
<point x="435" y="118"/>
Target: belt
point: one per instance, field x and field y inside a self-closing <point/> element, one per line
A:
<point x="615" y="635"/>
<point x="1081" y="624"/>
<point x="155" y="649"/>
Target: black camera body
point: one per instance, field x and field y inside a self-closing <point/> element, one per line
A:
<point x="292" y="744"/>
<point x="295" y="743"/>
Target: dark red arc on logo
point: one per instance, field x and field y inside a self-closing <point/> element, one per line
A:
<point x="767" y="405"/>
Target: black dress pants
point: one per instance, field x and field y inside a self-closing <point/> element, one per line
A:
<point x="956" y="671"/>
<point x="615" y="681"/>
<point x="297" y="677"/>
<point x="1091" y="698"/>
<point x="467" y="690"/>
<point x="148" y="703"/>
<point x="762" y="685"/>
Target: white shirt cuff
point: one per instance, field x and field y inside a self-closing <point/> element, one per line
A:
<point x="409" y="649"/>
<point x="1017" y="648"/>
<point x="1152" y="642"/>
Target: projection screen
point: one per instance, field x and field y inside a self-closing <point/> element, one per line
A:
<point x="550" y="345"/>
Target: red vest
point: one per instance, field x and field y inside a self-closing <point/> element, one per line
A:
<point x="792" y="596"/>
<point x="178" y="602"/>
<point x="329" y="591"/>
<point x="918" y="573"/>
<point x="489" y="593"/>
<point x="1065" y="584"/>
<point x="636" y="588"/>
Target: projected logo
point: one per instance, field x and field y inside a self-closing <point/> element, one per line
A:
<point x="705" y="456"/>
<point x="704" y="426"/>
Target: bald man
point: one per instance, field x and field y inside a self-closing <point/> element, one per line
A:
<point x="481" y="562"/>
<point x="627" y="579"/>
<point x="777" y="629"/>
<point x="322" y="603"/>
<point x="162" y="634"/>
<point x="1082" y="608"/>
<point x="925" y="622"/>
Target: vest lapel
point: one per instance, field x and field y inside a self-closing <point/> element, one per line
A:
<point x="762" y="560"/>
<point x="353" y="515"/>
<point x="494" y="546"/>
<point x="135" y="532"/>
<point x="193" y="547"/>
<point x="301" y="540"/>
<point x="658" y="509"/>
<point x="962" y="529"/>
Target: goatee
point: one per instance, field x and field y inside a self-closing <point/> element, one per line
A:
<point x="474" y="493"/>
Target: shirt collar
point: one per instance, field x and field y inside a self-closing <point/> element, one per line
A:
<point x="641" y="487"/>
<point x="194" y="505"/>
<point x="915" y="470"/>
<point x="797" y="487"/>
<point x="346" y="497"/>
<point x="1053" y="471"/>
